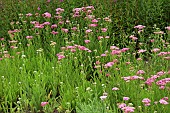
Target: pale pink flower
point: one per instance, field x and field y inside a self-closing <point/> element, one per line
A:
<point x="103" y="97"/>
<point x="29" y="14"/>
<point x="46" y="23"/>
<point x="146" y="101"/>
<point x="155" y="50"/>
<point x="104" y="29"/>
<point x="167" y="58"/>
<point x="121" y="105"/>
<point x="88" y="30"/>
<point x="162" y="101"/>
<point x="47" y="15"/>
<point x="152" y="40"/>
<point x="139" y="27"/>
<point x="109" y="64"/>
<point x="159" y="32"/>
<point x="114" y="47"/>
<point x="60" y="56"/>
<point x="115" y="88"/>
<point x="59" y="10"/>
<point x="133" y="37"/>
<point x="54" y="32"/>
<point x="168" y="28"/>
<point x="44" y="103"/>
<point x="53" y="26"/>
<point x="115" y="52"/>
<point x="126" y="98"/>
<point x="141" y="51"/>
<point x="140" y="72"/>
<point x="95" y="20"/>
<point x="86" y="41"/>
<point x="107" y="37"/>
<point x="103" y="55"/>
<point x="74" y="28"/>
<point x="93" y="25"/>
<point x="64" y="30"/>
<point x="100" y="37"/>
<point x="29" y="37"/>
<point x="128" y="109"/>
<point x="97" y="62"/>
<point x="124" y="49"/>
<point x="38" y="8"/>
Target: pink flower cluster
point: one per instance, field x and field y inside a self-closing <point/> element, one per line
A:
<point x="60" y="56"/>
<point x="125" y="108"/>
<point x="139" y="27"/>
<point x="46" y="15"/>
<point x="164" y="101"/>
<point x="163" y="53"/>
<point x="29" y="37"/>
<point x="146" y="101"/>
<point x="88" y="10"/>
<point x="161" y="83"/>
<point x="73" y="48"/>
<point x="135" y="77"/>
<point x="152" y="79"/>
<point x="133" y="37"/>
<point x="59" y="11"/>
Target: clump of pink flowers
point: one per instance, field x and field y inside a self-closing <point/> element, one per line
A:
<point x="125" y="108"/>
<point x="146" y="101"/>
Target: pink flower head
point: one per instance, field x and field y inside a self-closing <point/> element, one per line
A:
<point x="46" y="23"/>
<point x="53" y="26"/>
<point x="103" y="97"/>
<point x="93" y="25"/>
<point x="140" y="72"/>
<point x="115" y="88"/>
<point x="104" y="29"/>
<point x="86" y="41"/>
<point x="128" y="109"/>
<point x="139" y="27"/>
<point x="162" y="101"/>
<point x="54" y="32"/>
<point x="29" y="14"/>
<point x="109" y="64"/>
<point x="121" y="105"/>
<point x="60" y="56"/>
<point x="64" y="30"/>
<point x="94" y="20"/>
<point x="46" y="15"/>
<point x="74" y="28"/>
<point x="159" y="32"/>
<point x="126" y="98"/>
<point x="88" y="30"/>
<point x="124" y="49"/>
<point x="168" y="28"/>
<point x="116" y="52"/>
<point x="133" y="37"/>
<point x="155" y="50"/>
<point x="44" y="103"/>
<point x="38" y="8"/>
<point x="29" y="37"/>
<point x="141" y="51"/>
<point x="146" y="101"/>
<point x="100" y="37"/>
<point x="114" y="47"/>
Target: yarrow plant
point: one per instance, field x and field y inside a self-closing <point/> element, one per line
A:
<point x="62" y="58"/>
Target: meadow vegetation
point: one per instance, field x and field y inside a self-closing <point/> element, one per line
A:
<point x="85" y="56"/>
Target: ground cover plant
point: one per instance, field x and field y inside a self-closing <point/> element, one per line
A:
<point x="83" y="57"/>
